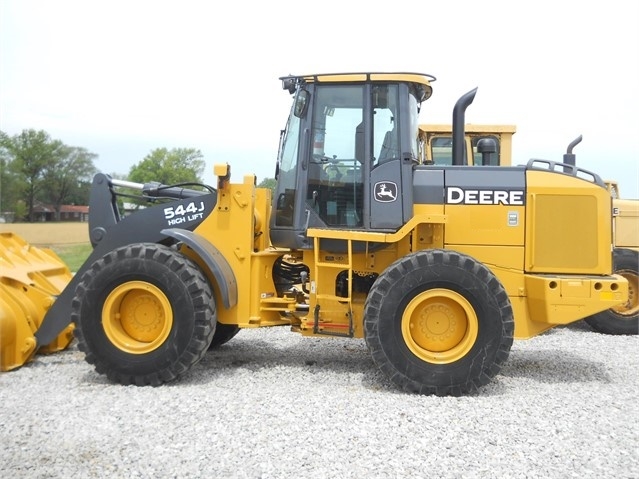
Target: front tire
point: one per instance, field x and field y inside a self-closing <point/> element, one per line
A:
<point x="622" y="319"/>
<point x="438" y="322"/>
<point x="144" y="314"/>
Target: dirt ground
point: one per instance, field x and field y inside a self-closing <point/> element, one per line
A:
<point x="49" y="234"/>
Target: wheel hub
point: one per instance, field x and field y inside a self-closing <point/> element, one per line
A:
<point x="439" y="326"/>
<point x="137" y="317"/>
<point x="436" y="322"/>
<point x="142" y="315"/>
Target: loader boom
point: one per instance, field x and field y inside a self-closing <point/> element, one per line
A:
<point x="109" y="230"/>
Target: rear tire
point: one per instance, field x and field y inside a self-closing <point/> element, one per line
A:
<point x="438" y="322"/>
<point x="144" y="314"/>
<point x="623" y="319"/>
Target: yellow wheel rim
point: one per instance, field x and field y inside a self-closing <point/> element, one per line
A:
<point x="630" y="307"/>
<point x="137" y="317"/>
<point x="439" y="326"/>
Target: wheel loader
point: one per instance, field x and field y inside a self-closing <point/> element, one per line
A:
<point x="484" y="145"/>
<point x="438" y="268"/>
<point x="492" y="145"/>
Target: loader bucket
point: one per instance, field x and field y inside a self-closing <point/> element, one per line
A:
<point x="30" y="280"/>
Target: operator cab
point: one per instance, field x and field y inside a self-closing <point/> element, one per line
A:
<point x="347" y="153"/>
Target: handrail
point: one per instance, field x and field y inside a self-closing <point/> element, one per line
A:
<point x="566" y="169"/>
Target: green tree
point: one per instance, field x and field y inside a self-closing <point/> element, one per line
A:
<point x="11" y="187"/>
<point x="31" y="153"/>
<point x="268" y="183"/>
<point x="11" y="184"/>
<point x="69" y="176"/>
<point x="169" y="167"/>
<point x="79" y="195"/>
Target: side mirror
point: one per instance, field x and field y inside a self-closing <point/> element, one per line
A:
<point x="301" y="103"/>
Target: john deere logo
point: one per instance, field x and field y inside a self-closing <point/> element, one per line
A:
<point x="385" y="191"/>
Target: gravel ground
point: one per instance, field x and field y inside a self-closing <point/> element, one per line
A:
<point x="272" y="404"/>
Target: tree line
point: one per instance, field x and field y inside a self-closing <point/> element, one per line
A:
<point x="35" y="168"/>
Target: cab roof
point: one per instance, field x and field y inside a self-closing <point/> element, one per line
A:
<point x="423" y="78"/>
<point x="291" y="82"/>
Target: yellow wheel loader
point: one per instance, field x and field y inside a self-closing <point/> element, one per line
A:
<point x="484" y="145"/>
<point x="492" y="145"/>
<point x="437" y="267"/>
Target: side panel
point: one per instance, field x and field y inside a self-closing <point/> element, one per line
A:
<point x="386" y="196"/>
<point x="564" y="232"/>
<point x="485" y="206"/>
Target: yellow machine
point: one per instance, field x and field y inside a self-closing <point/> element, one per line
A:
<point x="484" y="145"/>
<point x="437" y="267"/>
<point x="625" y="215"/>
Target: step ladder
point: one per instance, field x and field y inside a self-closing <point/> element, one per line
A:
<point x="329" y="307"/>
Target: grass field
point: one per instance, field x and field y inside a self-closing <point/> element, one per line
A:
<point x="73" y="255"/>
<point x="49" y="234"/>
<point x="70" y="241"/>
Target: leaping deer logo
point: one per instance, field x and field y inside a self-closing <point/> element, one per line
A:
<point x="385" y="191"/>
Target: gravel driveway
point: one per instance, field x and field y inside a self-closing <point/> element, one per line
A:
<point x="273" y="404"/>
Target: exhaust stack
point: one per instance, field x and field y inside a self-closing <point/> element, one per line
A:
<point x="459" y="120"/>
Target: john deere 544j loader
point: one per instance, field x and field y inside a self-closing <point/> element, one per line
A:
<point x="438" y="268"/>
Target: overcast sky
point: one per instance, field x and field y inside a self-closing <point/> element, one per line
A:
<point x="122" y="78"/>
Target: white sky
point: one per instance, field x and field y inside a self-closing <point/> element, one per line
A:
<point x="122" y="78"/>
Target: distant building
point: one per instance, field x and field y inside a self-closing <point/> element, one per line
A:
<point x="42" y="212"/>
